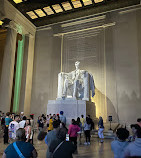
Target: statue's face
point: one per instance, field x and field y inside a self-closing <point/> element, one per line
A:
<point x="77" y="64"/>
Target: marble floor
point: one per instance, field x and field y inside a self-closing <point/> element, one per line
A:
<point x="95" y="150"/>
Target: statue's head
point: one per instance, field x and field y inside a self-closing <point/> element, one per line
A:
<point x="77" y="63"/>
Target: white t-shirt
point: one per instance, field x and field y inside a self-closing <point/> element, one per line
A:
<point x="13" y="127"/>
<point x="22" y="123"/>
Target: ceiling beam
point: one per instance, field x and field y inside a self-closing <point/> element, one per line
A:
<point x="31" y="5"/>
<point x="81" y="12"/>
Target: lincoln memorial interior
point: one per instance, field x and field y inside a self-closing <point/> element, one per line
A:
<point x="38" y="40"/>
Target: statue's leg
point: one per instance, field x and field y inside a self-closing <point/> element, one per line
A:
<point x="65" y="88"/>
<point x="75" y="88"/>
<point x="86" y="88"/>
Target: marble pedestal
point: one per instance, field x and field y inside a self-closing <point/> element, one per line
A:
<point x="72" y="108"/>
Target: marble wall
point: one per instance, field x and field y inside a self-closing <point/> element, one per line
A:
<point x="110" y="52"/>
<point x="46" y="69"/>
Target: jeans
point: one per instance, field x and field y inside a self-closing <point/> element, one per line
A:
<point x="100" y="133"/>
<point x="87" y="135"/>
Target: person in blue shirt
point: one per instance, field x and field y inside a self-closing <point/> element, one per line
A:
<point x="7" y="122"/>
<point x="8" y="119"/>
<point x="118" y="146"/>
<point x="62" y="117"/>
<point x="101" y="129"/>
<point x="25" y="148"/>
<point x="51" y="136"/>
<point x="134" y="148"/>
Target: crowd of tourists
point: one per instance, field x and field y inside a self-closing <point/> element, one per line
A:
<point x="62" y="140"/>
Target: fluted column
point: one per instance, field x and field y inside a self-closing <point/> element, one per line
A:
<point x="8" y="70"/>
<point x="2" y="11"/>
<point x="29" y="74"/>
<point x="18" y="75"/>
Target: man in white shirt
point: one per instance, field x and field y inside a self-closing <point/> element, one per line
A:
<point x="22" y="123"/>
<point x="13" y="127"/>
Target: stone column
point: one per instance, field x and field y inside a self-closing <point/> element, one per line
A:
<point x="29" y="74"/>
<point x="2" y="11"/>
<point x="8" y="70"/>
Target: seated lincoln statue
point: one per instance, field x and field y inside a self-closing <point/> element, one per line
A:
<point x="76" y="84"/>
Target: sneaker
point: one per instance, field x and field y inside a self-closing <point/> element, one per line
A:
<point x="85" y="143"/>
<point x="89" y="143"/>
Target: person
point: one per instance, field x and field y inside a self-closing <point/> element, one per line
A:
<point x="40" y="124"/>
<point x="8" y="119"/>
<point x="28" y="132"/>
<point x="58" y="119"/>
<point x="32" y="126"/>
<point x="73" y="130"/>
<point x="12" y="116"/>
<point x="44" y="118"/>
<point x="32" y="121"/>
<point x="54" y="117"/>
<point x="25" y="148"/>
<point x="22" y="123"/>
<point x="47" y="121"/>
<point x="101" y="129"/>
<point x="50" y="128"/>
<point x="139" y="121"/>
<point x="7" y="122"/>
<point x="91" y="121"/>
<point x="62" y="125"/>
<point x="3" y="120"/>
<point x="51" y="136"/>
<point x="82" y="120"/>
<point x="13" y="127"/>
<point x="120" y="144"/>
<point x="134" y="128"/>
<point x="87" y="129"/>
<point x="21" y="115"/>
<point x="134" y="148"/>
<point x="78" y="122"/>
<point x="61" y="148"/>
<point x="62" y="117"/>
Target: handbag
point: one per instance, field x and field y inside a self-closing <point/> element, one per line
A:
<point x="18" y="150"/>
<point x="56" y="149"/>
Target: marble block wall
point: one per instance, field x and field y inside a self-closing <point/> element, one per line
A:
<point x="71" y="108"/>
<point x="111" y="54"/>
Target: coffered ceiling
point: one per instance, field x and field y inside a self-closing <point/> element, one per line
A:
<point x="43" y="12"/>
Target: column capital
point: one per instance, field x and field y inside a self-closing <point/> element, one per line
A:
<point x="18" y="28"/>
<point x="30" y="35"/>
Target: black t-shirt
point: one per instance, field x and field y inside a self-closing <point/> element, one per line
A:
<point x="64" y="151"/>
<point x="41" y="124"/>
